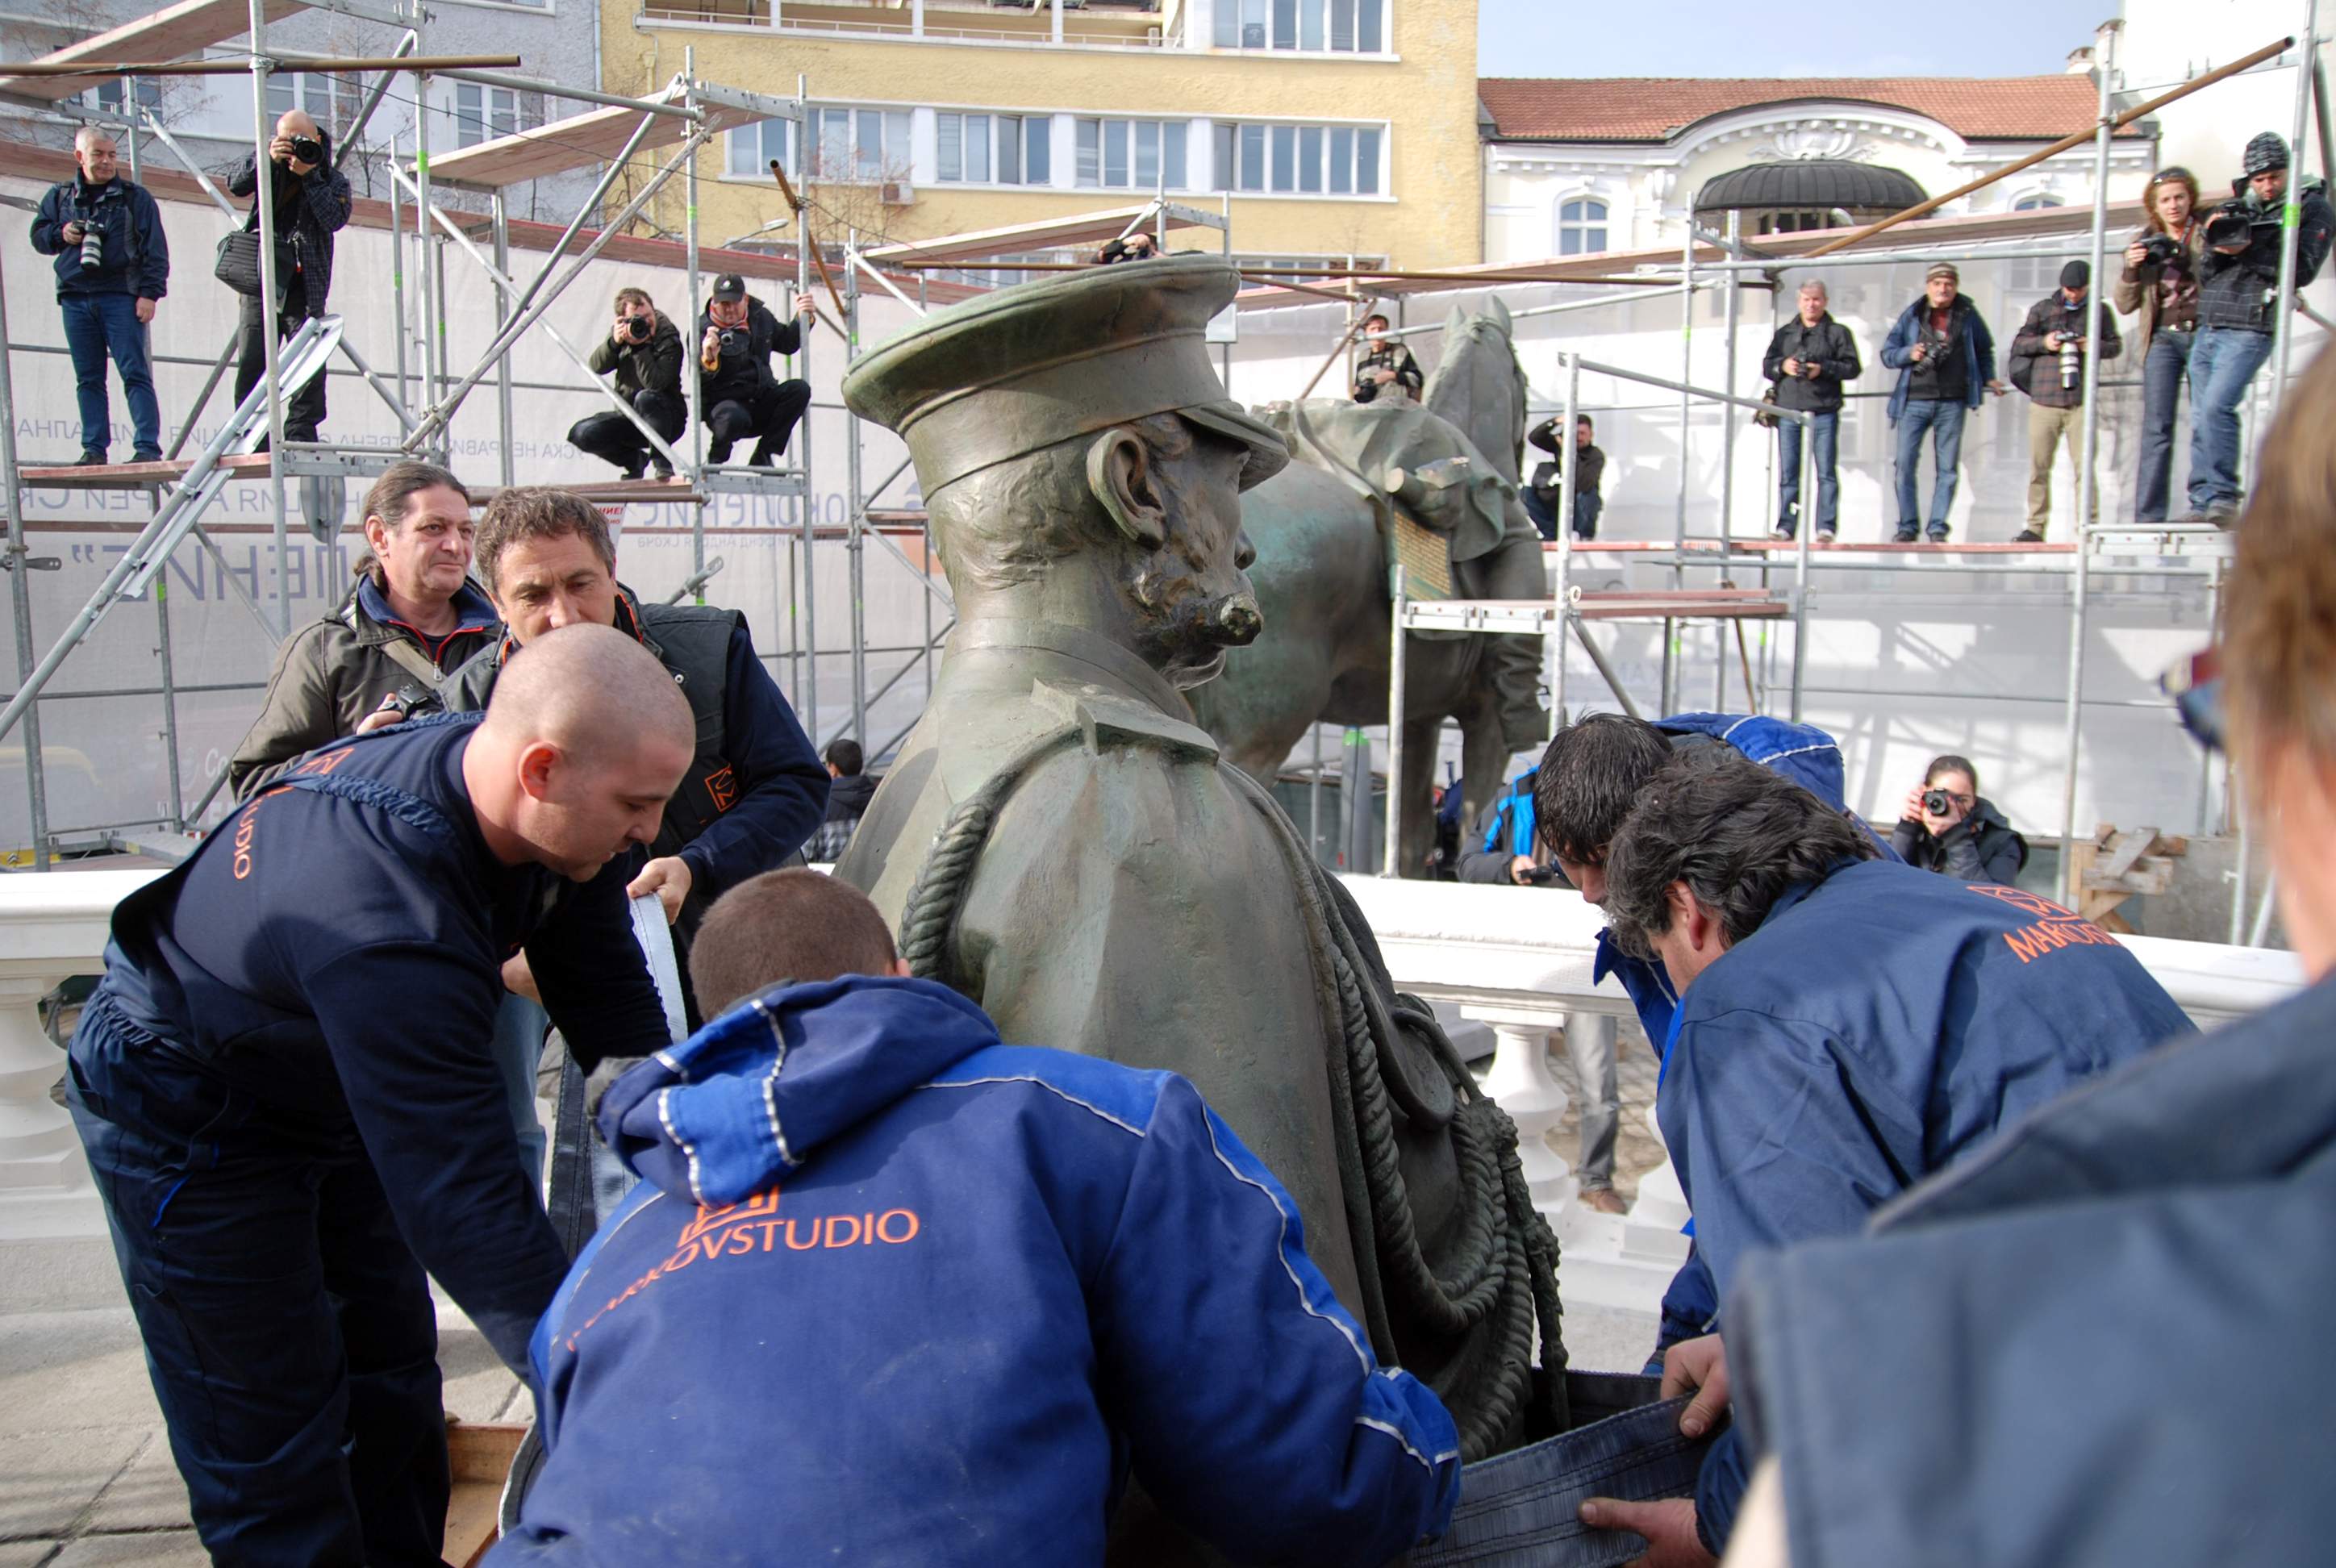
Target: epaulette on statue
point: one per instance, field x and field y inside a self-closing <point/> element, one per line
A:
<point x="1103" y="719"/>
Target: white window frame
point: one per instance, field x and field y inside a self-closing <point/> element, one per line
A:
<point x="835" y="153"/>
<point x="955" y="162"/>
<point x="530" y="110"/>
<point x="1345" y="162"/>
<point x="1583" y="223"/>
<point x="1302" y="27"/>
<point x="736" y="141"/>
<point x="1118" y="142"/>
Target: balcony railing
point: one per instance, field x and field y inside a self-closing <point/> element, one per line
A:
<point x="1140" y="27"/>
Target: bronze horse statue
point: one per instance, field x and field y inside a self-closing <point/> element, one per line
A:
<point x="1322" y="581"/>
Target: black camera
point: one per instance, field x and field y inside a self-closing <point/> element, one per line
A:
<point x="1811" y="370"/>
<point x="2160" y="250"/>
<point x="307" y="149"/>
<point x="2233" y="225"/>
<point x="730" y="342"/>
<point x="412" y="698"/>
<point x="1938" y="802"/>
<point x="637" y="328"/>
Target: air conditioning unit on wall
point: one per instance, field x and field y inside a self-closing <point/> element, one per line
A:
<point x="897" y="193"/>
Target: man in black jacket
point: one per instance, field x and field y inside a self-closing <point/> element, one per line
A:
<point x="644" y="348"/>
<point x="1540" y="495"/>
<point x="738" y="394"/>
<point x="107" y="295"/>
<point x="311" y="199"/>
<point x="2047" y="363"/>
<point x="2237" y="294"/>
<point x="1808" y="359"/>
<point x="847" y="801"/>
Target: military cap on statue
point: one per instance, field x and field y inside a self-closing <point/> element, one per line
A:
<point x="1010" y="373"/>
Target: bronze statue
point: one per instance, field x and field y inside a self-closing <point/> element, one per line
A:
<point x="1059" y="841"/>
<point x="1324" y="532"/>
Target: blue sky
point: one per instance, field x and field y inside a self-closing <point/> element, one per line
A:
<point x="1795" y="38"/>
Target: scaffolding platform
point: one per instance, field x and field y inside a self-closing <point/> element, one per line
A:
<point x="136" y="475"/>
<point x="612" y="493"/>
<point x="732" y="479"/>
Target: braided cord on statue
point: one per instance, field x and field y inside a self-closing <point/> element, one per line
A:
<point x="939" y="893"/>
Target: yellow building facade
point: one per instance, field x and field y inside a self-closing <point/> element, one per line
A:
<point x="1332" y="128"/>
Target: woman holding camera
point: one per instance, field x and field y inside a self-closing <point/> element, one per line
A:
<point x="1947" y="826"/>
<point x="2160" y="280"/>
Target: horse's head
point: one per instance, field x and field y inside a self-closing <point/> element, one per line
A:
<point x="1479" y="387"/>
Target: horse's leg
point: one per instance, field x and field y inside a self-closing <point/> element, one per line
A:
<point x="1417" y="787"/>
<point x="1483" y="754"/>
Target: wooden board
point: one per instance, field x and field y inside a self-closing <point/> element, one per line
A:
<point x="480" y="1454"/>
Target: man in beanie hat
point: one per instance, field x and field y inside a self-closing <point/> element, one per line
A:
<point x="2047" y="363"/>
<point x="1060" y="842"/>
<point x="2238" y="290"/>
<point x="1945" y="359"/>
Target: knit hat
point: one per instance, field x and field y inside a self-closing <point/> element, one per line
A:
<point x="1945" y="270"/>
<point x="2267" y="150"/>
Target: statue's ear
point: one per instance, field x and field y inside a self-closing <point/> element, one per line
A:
<point x="1119" y="472"/>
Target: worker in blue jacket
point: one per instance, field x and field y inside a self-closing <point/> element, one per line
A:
<point x="1845" y="1027"/>
<point x="892" y="1290"/>
<point x="283" y="1085"/>
<point x="1589" y="779"/>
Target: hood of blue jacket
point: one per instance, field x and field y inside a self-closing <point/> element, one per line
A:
<point x="751" y="1095"/>
<point x="1800" y="752"/>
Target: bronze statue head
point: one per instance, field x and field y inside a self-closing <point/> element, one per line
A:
<point x="1080" y="459"/>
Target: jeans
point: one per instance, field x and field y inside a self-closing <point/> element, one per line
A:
<point x="2161" y="390"/>
<point x="1538" y="508"/>
<point x="1586" y="508"/>
<point x="1589" y="1045"/>
<point x="306" y="411"/>
<point x="288" y="1328"/>
<point x="769" y="415"/>
<point x="2222" y="363"/>
<point x="613" y="438"/>
<point x="97" y="325"/>
<point x="1825" y="446"/>
<point x="1944" y="421"/>
<point x="517" y="1046"/>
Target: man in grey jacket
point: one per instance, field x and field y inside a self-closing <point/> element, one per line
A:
<point x="409" y="619"/>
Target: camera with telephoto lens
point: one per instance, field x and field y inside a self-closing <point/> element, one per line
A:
<point x="637" y="328"/>
<point x="307" y="149"/>
<point x="93" y="244"/>
<point x="2072" y="362"/>
<point x="1938" y="802"/>
<point x="2160" y="250"/>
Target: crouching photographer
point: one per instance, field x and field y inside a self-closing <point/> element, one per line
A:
<point x="2236" y="296"/>
<point x="1947" y="826"/>
<point x="738" y="394"/>
<point x="644" y="348"/>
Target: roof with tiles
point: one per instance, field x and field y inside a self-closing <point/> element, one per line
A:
<point x="1658" y="108"/>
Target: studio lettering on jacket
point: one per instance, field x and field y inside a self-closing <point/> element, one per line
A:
<point x="2056" y="928"/>
<point x="755" y="1227"/>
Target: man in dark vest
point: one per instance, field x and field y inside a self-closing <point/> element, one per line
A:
<point x="754" y="790"/>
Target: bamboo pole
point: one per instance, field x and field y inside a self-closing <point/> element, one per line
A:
<point x="242" y="67"/>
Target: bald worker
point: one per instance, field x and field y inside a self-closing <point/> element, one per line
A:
<point x="311" y="200"/>
<point x="284" y="1086"/>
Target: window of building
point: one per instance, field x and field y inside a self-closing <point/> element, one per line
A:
<point x="106" y="97"/>
<point x="2026" y="275"/>
<point x="1299" y="159"/>
<point x="752" y="149"/>
<point x="1132" y="154"/>
<point x="1004" y="148"/>
<point x="482" y="114"/>
<point x="859" y="145"/>
<point x="1581" y="226"/>
<point x="301" y="90"/>
<point x="1300" y="268"/>
<point x="1348" y="26"/>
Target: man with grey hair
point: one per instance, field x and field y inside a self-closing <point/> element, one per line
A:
<point x="1809" y="359"/>
<point x="1846" y="1026"/>
<point x="311" y="200"/>
<point x="113" y="262"/>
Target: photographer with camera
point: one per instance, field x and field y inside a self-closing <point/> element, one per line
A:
<point x="644" y="348"/>
<point x="2047" y="363"/>
<point x="311" y="204"/>
<point x="1945" y="359"/>
<point x="738" y="394"/>
<point x="2160" y="280"/>
<point x="1540" y="493"/>
<point x="409" y="619"/>
<point x="113" y="263"/>
<point x="1947" y="826"/>
<point x="1387" y="367"/>
<point x="2236" y="295"/>
<point x="1136" y="247"/>
<point x="1809" y="358"/>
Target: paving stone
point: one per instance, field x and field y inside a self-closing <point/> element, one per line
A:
<point x="47" y="1479"/>
<point x="26" y="1553"/>
<point x="149" y="1495"/>
<point x="479" y="1387"/>
<point x="143" y="1549"/>
<point x="60" y="1370"/>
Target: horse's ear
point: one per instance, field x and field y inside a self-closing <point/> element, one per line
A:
<point x="1119" y="472"/>
<point x="1498" y="310"/>
<point x="1455" y="325"/>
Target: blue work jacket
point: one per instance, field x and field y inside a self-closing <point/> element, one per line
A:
<point x="891" y="1291"/>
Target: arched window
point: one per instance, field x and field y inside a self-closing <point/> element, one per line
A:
<point x="2027" y="275"/>
<point x="1581" y="226"/>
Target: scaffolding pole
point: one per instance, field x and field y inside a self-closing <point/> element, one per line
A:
<point x="2291" y="212"/>
<point x="20" y="596"/>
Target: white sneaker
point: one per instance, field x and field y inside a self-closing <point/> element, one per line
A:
<point x="1782" y="533"/>
<point x="1825" y="536"/>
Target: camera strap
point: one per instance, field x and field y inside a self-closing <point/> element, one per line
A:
<point x="414" y="662"/>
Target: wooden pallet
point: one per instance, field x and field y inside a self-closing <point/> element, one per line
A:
<point x="2118" y="863"/>
<point x="480" y="1456"/>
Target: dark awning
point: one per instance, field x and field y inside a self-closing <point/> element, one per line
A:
<point x="1810" y="185"/>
